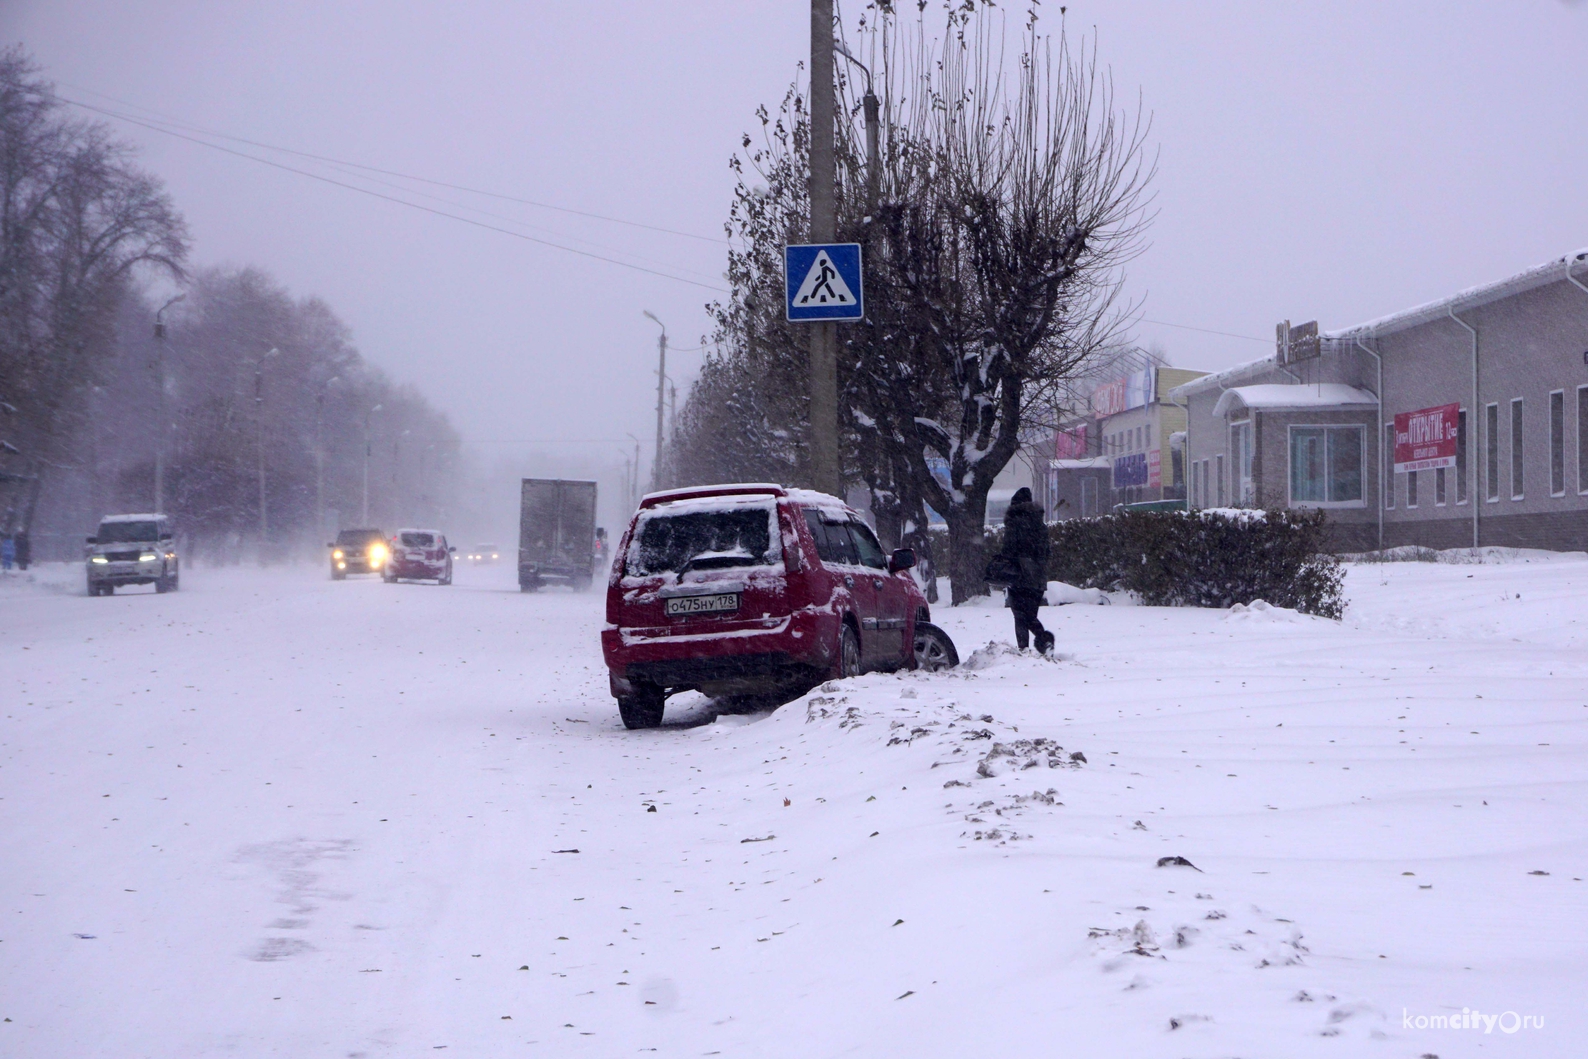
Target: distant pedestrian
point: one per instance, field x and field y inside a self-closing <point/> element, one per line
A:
<point x="24" y="550"/>
<point x="8" y="552"/>
<point x="1026" y="543"/>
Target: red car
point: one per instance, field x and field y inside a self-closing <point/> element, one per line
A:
<point x="758" y="592"/>
<point x="419" y="555"/>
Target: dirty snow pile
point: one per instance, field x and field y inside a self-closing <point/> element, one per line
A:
<point x="271" y="814"/>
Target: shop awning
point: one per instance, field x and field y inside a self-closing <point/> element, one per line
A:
<point x="1294" y="397"/>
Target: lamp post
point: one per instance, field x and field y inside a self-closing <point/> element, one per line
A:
<point x="364" y="522"/>
<point x="259" y="415"/>
<point x="160" y="404"/>
<point x="634" y="482"/>
<point x="661" y="382"/>
<point x="319" y="453"/>
<point x="873" y="109"/>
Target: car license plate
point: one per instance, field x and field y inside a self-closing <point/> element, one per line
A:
<point x="721" y="604"/>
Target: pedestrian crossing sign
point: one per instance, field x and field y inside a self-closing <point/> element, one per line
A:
<point x="823" y="282"/>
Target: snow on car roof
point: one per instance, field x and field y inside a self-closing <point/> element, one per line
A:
<point x="134" y="518"/>
<point x="692" y="504"/>
<point x="667" y="496"/>
<point x="416" y="529"/>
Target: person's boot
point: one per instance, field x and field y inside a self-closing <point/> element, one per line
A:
<point x="1045" y="643"/>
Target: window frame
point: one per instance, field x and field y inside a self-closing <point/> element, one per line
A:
<point x="1361" y="455"/>
<point x="1389" y="475"/>
<point x="1491" y="453"/>
<point x="1463" y="451"/>
<point x="1582" y="440"/>
<point x="1518" y="450"/>
<point x="1557" y="443"/>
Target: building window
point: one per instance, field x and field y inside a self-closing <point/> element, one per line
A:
<point x="1461" y="457"/>
<point x="1516" y="448"/>
<point x="1242" y="491"/>
<point x="1582" y="439"/>
<point x="1218" y="464"/>
<point x="1326" y="465"/>
<point x="1557" y="443"/>
<point x="1491" y="453"/>
<point x="1411" y="488"/>
<point x="1439" y="487"/>
<point x="1389" y="465"/>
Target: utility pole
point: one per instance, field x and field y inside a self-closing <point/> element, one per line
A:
<point x="319" y="453"/>
<point x="823" y="335"/>
<point x="259" y="415"/>
<point x="364" y="522"/>
<point x="163" y="426"/>
<point x="661" y="384"/>
<point x="634" y="482"/>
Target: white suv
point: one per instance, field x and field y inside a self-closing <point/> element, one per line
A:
<point x="132" y="550"/>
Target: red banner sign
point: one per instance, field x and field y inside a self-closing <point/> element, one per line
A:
<point x="1426" y="438"/>
<point x="1070" y="444"/>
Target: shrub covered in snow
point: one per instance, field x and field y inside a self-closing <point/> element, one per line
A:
<point x="1203" y="558"/>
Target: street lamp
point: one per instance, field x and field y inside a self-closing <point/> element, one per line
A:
<point x="319" y="452"/>
<point x="259" y="415"/>
<point x="634" y="482"/>
<point x="364" y="522"/>
<point x="160" y="404"/>
<point x="873" y="119"/>
<point x="661" y="382"/>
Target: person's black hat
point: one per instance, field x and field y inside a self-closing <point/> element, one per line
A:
<point x="1022" y="496"/>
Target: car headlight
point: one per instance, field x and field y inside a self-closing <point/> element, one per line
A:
<point x="148" y="557"/>
<point x="99" y="559"/>
<point x="377" y="553"/>
<point x="337" y="554"/>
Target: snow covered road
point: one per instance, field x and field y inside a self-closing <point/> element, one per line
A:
<point x="276" y="815"/>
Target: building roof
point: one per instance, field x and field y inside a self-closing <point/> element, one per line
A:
<point x="1222" y="380"/>
<point x="1270" y="397"/>
<point x="1552" y="271"/>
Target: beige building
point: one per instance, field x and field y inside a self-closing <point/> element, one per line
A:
<point x="1129" y="449"/>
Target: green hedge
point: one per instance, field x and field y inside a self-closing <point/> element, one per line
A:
<point x="1203" y="558"/>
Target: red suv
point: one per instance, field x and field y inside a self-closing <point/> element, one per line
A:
<point x="419" y="555"/>
<point x="756" y="591"/>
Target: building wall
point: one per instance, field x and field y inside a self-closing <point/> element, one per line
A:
<point x="1530" y="344"/>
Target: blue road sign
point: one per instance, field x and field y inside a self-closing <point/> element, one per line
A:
<point x="822" y="281"/>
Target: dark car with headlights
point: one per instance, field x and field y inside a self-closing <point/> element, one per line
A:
<point x="756" y="592"/>
<point x="358" y="551"/>
<point x="132" y="550"/>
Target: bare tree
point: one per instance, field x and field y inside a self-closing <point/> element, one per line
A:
<point x="77" y="218"/>
<point x="1011" y="205"/>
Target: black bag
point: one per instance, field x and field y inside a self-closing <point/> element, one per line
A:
<point x="1002" y="570"/>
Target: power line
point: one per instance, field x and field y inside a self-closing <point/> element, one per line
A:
<point x="376" y="169"/>
<point x="149" y="124"/>
<point x="393" y="198"/>
<point x="1204" y="330"/>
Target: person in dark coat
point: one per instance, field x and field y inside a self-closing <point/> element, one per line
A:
<point x="24" y="550"/>
<point x="1026" y="542"/>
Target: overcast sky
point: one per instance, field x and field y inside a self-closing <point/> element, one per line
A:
<point x="1335" y="161"/>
